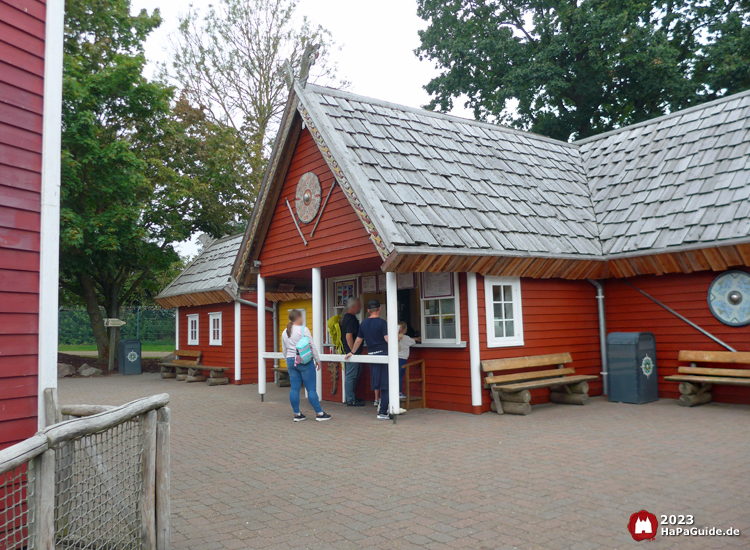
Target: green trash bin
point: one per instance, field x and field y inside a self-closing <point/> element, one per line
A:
<point x="129" y="356"/>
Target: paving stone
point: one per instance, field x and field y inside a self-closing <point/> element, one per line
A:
<point x="245" y="476"/>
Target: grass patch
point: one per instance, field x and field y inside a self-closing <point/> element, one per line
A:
<point x="86" y="347"/>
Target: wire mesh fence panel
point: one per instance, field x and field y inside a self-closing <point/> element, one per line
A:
<point x="16" y="511"/>
<point x="99" y="481"/>
<point x="150" y="325"/>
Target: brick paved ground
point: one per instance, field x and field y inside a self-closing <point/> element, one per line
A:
<point x="245" y="476"/>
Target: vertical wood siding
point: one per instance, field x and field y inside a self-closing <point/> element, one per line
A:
<point x="21" y="87"/>
<point x="630" y="311"/>
<point x="214" y="356"/>
<point x="558" y="316"/>
<point x="340" y="235"/>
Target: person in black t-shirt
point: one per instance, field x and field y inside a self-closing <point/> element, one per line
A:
<point x="349" y="332"/>
<point x="374" y="331"/>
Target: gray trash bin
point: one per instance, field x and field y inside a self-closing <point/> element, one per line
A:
<point x="129" y="356"/>
<point x="632" y="367"/>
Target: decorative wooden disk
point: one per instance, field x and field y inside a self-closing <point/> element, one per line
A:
<point x="307" y="203"/>
<point x="729" y="298"/>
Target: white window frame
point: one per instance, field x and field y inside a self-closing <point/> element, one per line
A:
<point x="507" y="341"/>
<point x="330" y="299"/>
<point x="212" y="341"/>
<point x="457" y="315"/>
<point x="190" y="340"/>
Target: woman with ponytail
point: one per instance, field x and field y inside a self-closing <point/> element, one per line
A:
<point x="299" y="372"/>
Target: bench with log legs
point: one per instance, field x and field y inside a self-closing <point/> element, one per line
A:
<point x="190" y="370"/>
<point x="696" y="382"/>
<point x="510" y="392"/>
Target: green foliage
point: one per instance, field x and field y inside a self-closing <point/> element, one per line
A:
<point x="579" y="68"/>
<point x="152" y="325"/>
<point x="140" y="171"/>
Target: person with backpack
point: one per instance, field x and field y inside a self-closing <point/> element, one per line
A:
<point x="302" y="361"/>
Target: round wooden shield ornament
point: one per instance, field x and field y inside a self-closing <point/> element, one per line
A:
<point x="307" y="202"/>
<point x="729" y="298"/>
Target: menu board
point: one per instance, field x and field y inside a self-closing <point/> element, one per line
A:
<point x="381" y="282"/>
<point x="369" y="284"/>
<point x="437" y="285"/>
<point x="344" y="290"/>
<point x="406" y="280"/>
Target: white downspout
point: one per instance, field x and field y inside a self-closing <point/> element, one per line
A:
<point x="602" y="333"/>
<point x="261" y="289"/>
<point x="472" y="298"/>
<point x="177" y="328"/>
<point x="317" y="311"/>
<point x="237" y="341"/>
<point x="391" y="300"/>
<point x="49" y="250"/>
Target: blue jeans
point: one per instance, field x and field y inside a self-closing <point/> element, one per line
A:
<point x="401" y="371"/>
<point x="353" y="372"/>
<point x="302" y="374"/>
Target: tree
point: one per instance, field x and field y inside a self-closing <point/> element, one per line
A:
<point x="138" y="173"/>
<point x="578" y="68"/>
<point x="231" y="60"/>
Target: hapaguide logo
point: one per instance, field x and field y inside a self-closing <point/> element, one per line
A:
<point x="643" y="526"/>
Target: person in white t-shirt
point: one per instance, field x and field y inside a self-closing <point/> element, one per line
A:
<point x="301" y="373"/>
<point x="404" y="343"/>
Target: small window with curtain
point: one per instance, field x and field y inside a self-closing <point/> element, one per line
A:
<point x="214" y="323"/>
<point x="192" y="330"/>
<point x="504" y="312"/>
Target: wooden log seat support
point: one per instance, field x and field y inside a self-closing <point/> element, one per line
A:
<point x="190" y="370"/>
<point x="696" y="382"/>
<point x="282" y="380"/>
<point x="510" y="392"/>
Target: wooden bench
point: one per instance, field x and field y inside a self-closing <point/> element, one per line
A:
<point x="282" y="380"/>
<point x="696" y="382"/>
<point x="510" y="392"/>
<point x="190" y="370"/>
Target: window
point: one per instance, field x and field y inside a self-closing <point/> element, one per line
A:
<point x="439" y="308"/>
<point x="502" y="297"/>
<point x="214" y="322"/>
<point x="192" y="330"/>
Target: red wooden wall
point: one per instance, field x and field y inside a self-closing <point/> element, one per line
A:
<point x="21" y="87"/>
<point x="558" y="316"/>
<point x="340" y="237"/>
<point x="249" y="350"/>
<point x="630" y="311"/>
<point x="215" y="356"/>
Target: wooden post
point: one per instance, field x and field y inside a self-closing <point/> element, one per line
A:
<point x="693" y="400"/>
<point x="163" y="526"/>
<point x="44" y="516"/>
<point x="516" y="408"/>
<point x="523" y="396"/>
<point x="50" y="406"/>
<point x="580" y="387"/>
<point x="686" y="388"/>
<point x="148" y="494"/>
<point x="569" y="398"/>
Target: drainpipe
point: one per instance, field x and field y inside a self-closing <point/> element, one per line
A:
<point x="252" y="304"/>
<point x="602" y="333"/>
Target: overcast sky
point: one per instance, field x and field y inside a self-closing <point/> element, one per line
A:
<point x="377" y="39"/>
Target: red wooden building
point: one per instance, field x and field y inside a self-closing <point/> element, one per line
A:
<point x="31" y="36"/>
<point x="494" y="243"/>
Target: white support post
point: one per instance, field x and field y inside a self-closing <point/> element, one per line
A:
<point x="317" y="311"/>
<point x="177" y="328"/>
<point x="261" y="336"/>
<point x="49" y="247"/>
<point x="237" y="341"/>
<point x="474" y="357"/>
<point x="391" y="301"/>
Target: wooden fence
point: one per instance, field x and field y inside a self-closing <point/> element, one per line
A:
<point x="98" y="480"/>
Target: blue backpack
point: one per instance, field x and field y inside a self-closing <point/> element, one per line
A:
<point x="304" y="350"/>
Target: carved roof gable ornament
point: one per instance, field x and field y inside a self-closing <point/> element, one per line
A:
<point x="308" y="60"/>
